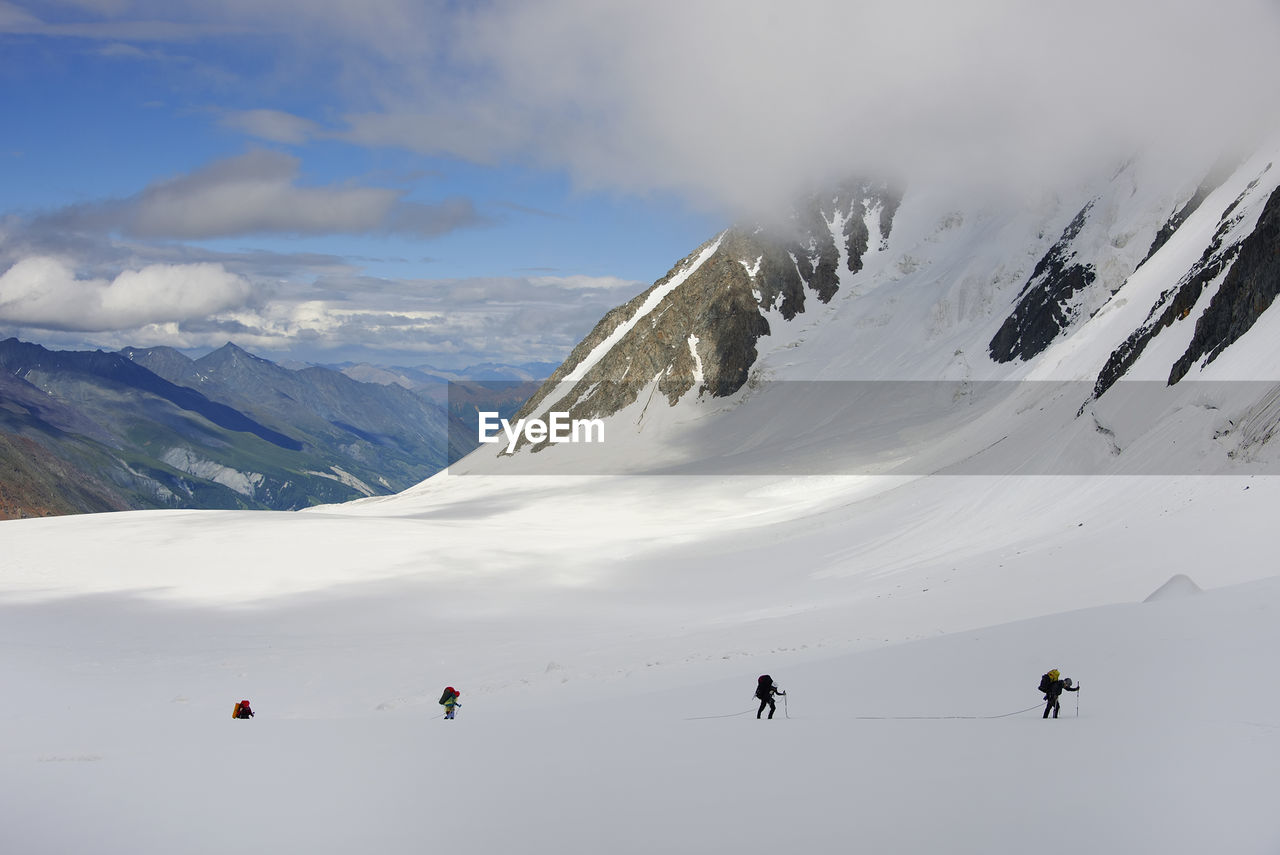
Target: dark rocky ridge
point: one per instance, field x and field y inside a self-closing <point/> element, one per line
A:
<point x="322" y="407"/>
<point x="1044" y="307"/>
<point x="1248" y="290"/>
<point x="22" y="359"/>
<point x="1211" y="182"/>
<point x="1176" y="303"/>
<point x="721" y="308"/>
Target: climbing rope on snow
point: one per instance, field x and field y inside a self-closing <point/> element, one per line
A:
<point x="940" y="717"/>
<point x="787" y="713"/>
<point x="730" y="715"/>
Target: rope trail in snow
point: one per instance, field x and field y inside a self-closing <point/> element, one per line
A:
<point x="894" y="717"/>
<point x="730" y="715"/>
<point x="939" y="717"/>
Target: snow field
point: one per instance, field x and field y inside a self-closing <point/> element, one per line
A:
<point x="582" y="645"/>
<point x="1173" y="751"/>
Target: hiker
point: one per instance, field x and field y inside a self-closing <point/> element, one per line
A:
<point x="1052" y="688"/>
<point x="765" y="690"/>
<point x="242" y="710"/>
<point x="450" y="700"/>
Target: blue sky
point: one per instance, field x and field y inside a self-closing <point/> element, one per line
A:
<point x="410" y="182"/>
<point x="510" y="259"/>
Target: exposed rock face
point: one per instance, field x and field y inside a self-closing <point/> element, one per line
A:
<point x="702" y="315"/>
<point x="1045" y="306"/>
<point x="696" y="329"/>
<point x="1248" y="290"/>
<point x="1210" y="183"/>
<point x="1176" y="303"/>
<point x="36" y="483"/>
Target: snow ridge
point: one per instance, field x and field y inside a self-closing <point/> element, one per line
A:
<point x="655" y="298"/>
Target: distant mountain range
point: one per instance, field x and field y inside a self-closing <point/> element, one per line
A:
<point x="152" y="428"/>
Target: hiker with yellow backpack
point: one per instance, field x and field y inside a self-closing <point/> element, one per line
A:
<point x="1053" y="688"/>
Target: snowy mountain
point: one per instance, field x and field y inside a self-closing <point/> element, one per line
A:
<point x="697" y="328"/>
<point x="1141" y="275"/>
<point x="870" y="453"/>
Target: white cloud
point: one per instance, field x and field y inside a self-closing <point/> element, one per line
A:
<point x="45" y="293"/>
<point x="13" y="19"/>
<point x="120" y="50"/>
<point x="582" y="282"/>
<point x="258" y="193"/>
<point x="252" y="193"/>
<point x="739" y="103"/>
<point x="272" y="125"/>
<point x="332" y="317"/>
<point x="727" y="101"/>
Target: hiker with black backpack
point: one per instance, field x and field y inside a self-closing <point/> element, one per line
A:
<point x="1053" y="688"/>
<point x="449" y="700"/>
<point x="765" y="691"/>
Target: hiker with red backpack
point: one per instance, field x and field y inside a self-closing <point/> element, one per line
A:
<point x="241" y="710"/>
<point x="765" y="691"/>
<point x="450" y="700"/>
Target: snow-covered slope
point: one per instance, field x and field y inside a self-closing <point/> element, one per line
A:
<point x="586" y="619"/>
<point x="592" y="713"/>
<point x="904" y="540"/>
<point x="1008" y="309"/>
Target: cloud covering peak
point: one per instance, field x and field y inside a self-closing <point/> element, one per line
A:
<point x="746" y="102"/>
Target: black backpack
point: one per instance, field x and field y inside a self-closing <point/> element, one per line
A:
<point x="1046" y="685"/>
<point x="763" y="685"/>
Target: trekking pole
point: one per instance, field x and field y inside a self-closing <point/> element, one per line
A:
<point x="1077" y="701"/>
<point x="786" y="710"/>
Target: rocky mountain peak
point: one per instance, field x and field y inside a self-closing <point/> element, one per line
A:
<point x="231" y="361"/>
<point x="695" y="330"/>
<point x="229" y="353"/>
<point x="166" y="362"/>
